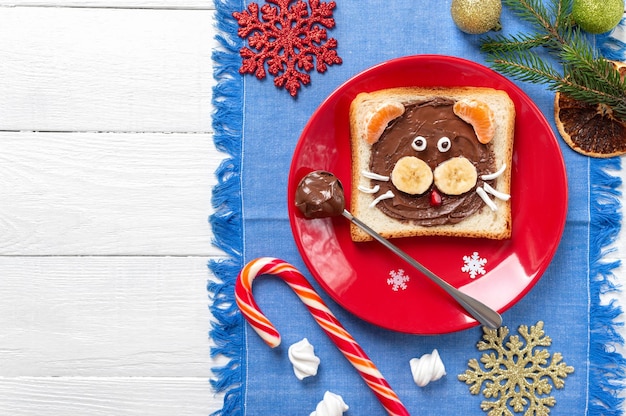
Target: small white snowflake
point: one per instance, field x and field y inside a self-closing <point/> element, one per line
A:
<point x="474" y="265"/>
<point x="397" y="280"/>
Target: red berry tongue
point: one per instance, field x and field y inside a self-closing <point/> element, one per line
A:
<point x="435" y="198"/>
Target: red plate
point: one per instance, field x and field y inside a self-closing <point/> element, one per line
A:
<point x="370" y="281"/>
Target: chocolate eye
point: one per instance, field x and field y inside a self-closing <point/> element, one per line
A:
<point x="444" y="144"/>
<point x="419" y="144"/>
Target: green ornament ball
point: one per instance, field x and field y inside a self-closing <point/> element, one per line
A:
<point x="597" y="16"/>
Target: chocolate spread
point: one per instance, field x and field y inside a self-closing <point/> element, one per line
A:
<point x="320" y="195"/>
<point x="432" y="119"/>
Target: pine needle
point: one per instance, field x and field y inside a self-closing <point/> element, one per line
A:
<point x="519" y="42"/>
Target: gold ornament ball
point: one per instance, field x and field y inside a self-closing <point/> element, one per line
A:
<point x="476" y="16"/>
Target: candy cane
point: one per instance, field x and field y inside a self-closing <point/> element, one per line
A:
<point x="323" y="316"/>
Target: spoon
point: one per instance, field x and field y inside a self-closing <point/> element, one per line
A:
<point x="320" y="195"/>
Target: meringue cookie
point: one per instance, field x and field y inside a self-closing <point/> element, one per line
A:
<point x="331" y="405"/>
<point x="303" y="358"/>
<point x="427" y="368"/>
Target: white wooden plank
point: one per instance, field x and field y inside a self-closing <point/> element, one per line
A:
<point x="151" y="4"/>
<point x="104" y="317"/>
<point x="76" y="69"/>
<point x="111" y="397"/>
<point x="106" y="193"/>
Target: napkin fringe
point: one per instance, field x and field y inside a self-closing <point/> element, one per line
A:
<point x="612" y="45"/>
<point x="607" y="367"/>
<point x="226" y="222"/>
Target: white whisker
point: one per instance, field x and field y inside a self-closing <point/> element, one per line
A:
<point x="386" y="195"/>
<point x="496" y="193"/>
<point x="368" y="190"/>
<point x="481" y="193"/>
<point x="491" y="176"/>
<point x="375" y="176"/>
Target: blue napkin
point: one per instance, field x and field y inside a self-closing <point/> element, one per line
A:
<point x="258" y="126"/>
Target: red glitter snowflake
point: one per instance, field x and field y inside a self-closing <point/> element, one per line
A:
<point x="289" y="39"/>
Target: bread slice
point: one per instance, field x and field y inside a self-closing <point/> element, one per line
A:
<point x="483" y="223"/>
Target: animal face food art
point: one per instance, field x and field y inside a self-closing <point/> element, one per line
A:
<point x="430" y="167"/>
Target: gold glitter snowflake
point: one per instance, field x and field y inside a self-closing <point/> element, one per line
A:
<point x="516" y="373"/>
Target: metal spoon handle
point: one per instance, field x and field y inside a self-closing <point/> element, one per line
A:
<point x="481" y="312"/>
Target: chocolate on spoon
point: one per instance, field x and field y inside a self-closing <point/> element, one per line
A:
<point x="320" y="195"/>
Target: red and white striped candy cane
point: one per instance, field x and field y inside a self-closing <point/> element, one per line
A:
<point x="323" y="316"/>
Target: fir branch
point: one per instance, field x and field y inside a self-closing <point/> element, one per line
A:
<point x="585" y="69"/>
<point x="530" y="67"/>
<point x="532" y="11"/>
<point x="526" y="67"/>
<point x="520" y="42"/>
<point x="548" y="21"/>
<point x="582" y="74"/>
<point x="560" y="10"/>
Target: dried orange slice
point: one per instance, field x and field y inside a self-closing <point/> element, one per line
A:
<point x="479" y="115"/>
<point x="590" y="129"/>
<point x="384" y="113"/>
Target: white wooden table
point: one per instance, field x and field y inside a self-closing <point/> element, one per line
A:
<point x="106" y="169"/>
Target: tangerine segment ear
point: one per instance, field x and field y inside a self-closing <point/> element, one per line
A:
<point x="379" y="118"/>
<point x="479" y="115"/>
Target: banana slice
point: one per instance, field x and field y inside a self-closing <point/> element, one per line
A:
<point x="455" y="176"/>
<point x="412" y="175"/>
